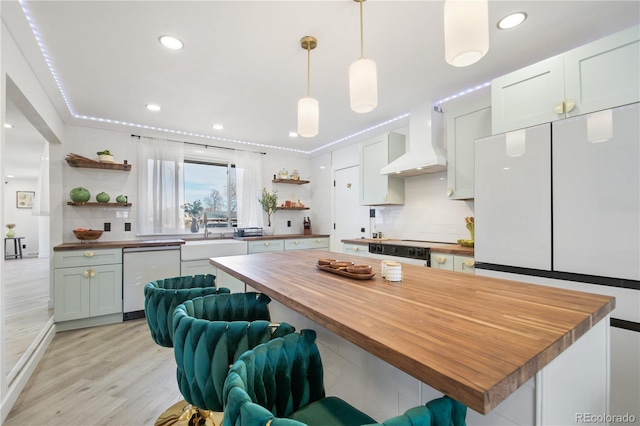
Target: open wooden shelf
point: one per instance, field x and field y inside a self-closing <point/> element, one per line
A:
<point x="291" y="181"/>
<point x="96" y="204"/>
<point x="91" y="164"/>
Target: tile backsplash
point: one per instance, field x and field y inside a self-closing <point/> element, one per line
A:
<point x="428" y="214"/>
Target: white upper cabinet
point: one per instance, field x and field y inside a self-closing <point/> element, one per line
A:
<point x="599" y="75"/>
<point x="377" y="189"/>
<point x="464" y="126"/>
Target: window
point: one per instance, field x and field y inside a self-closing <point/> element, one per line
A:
<point x="178" y="183"/>
<point x="212" y="187"/>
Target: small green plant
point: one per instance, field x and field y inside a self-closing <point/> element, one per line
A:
<point x="269" y="202"/>
<point x="194" y="209"/>
<point x="105" y="152"/>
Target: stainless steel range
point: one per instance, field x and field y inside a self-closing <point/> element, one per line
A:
<point x="417" y="250"/>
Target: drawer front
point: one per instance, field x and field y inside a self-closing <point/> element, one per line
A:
<point x="442" y="261"/>
<point x="264" y="246"/>
<point x="318" y="243"/>
<point x="359" y="249"/>
<point x="89" y="257"/>
<point x="296" y="244"/>
<point x="464" y="264"/>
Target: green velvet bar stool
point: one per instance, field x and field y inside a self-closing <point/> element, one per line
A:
<point x="162" y="296"/>
<point x="210" y="333"/>
<point x="280" y="383"/>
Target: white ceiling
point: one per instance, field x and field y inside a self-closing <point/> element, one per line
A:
<point x="242" y="64"/>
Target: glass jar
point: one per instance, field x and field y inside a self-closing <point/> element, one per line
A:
<point x="295" y="175"/>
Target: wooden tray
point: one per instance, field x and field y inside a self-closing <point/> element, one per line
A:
<point x="345" y="273"/>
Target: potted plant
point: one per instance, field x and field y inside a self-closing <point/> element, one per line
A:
<point x="105" y="156"/>
<point x="194" y="210"/>
<point x="269" y="202"/>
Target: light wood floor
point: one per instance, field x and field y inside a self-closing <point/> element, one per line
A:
<point x="110" y="375"/>
<point x="26" y="303"/>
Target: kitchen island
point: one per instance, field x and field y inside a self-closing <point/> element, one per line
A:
<point x="476" y="339"/>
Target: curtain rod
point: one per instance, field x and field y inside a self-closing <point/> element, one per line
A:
<point x="197" y="144"/>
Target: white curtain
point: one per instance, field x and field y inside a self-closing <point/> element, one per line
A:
<point x="249" y="189"/>
<point x="41" y="200"/>
<point x="160" y="187"/>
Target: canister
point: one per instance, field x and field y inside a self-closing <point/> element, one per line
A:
<point x="383" y="267"/>
<point x="393" y="272"/>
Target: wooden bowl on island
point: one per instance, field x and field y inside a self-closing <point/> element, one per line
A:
<point x="325" y="261"/>
<point x="340" y="265"/>
<point x="359" y="269"/>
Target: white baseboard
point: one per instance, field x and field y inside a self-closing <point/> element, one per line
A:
<point x="22" y="377"/>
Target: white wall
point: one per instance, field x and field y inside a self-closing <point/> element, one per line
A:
<point x="27" y="225"/>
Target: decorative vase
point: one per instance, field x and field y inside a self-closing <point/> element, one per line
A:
<point x="269" y="230"/>
<point x="194" y="224"/>
<point x="10" y="232"/>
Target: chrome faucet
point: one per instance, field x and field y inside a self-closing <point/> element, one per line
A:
<point x="206" y="228"/>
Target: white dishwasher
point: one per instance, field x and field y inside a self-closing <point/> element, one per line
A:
<point x="141" y="265"/>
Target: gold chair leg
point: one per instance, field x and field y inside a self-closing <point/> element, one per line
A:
<point x="185" y="414"/>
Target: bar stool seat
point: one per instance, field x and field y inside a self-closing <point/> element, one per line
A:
<point x="17" y="248"/>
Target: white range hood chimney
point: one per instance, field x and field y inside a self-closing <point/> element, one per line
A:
<point x="425" y="149"/>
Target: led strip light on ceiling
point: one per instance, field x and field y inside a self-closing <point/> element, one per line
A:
<point x="57" y="79"/>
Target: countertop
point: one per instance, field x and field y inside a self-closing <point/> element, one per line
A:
<point x="476" y="339"/>
<point x="281" y="237"/>
<point x="117" y="244"/>
<point x="434" y="246"/>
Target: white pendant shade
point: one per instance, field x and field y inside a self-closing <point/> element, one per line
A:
<point x="600" y="126"/>
<point x="466" y="31"/>
<point x="516" y="143"/>
<point x="308" y="117"/>
<point x="363" y="85"/>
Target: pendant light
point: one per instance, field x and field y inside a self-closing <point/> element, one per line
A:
<point x="363" y="79"/>
<point x="466" y="31"/>
<point x="308" y="107"/>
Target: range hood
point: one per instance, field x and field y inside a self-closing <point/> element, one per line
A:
<point x="425" y="153"/>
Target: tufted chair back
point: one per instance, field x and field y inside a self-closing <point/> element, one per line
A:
<point x="210" y="334"/>
<point x="162" y="296"/>
<point x="274" y="380"/>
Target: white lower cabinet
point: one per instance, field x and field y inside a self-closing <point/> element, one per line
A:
<point x="453" y="262"/>
<point x="91" y="288"/>
<point x="442" y="261"/>
<point x="196" y="267"/>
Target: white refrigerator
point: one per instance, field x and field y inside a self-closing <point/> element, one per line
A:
<point x="563" y="196"/>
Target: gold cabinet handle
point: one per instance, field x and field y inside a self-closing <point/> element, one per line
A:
<point x="266" y="243"/>
<point x="92" y="273"/>
<point x="558" y="108"/>
<point x="469" y="262"/>
<point x="296" y="242"/>
<point x="89" y="254"/>
<point x="449" y="192"/>
<point x="441" y="259"/>
<point x="569" y="105"/>
<point x="317" y="241"/>
<point x="85" y="273"/>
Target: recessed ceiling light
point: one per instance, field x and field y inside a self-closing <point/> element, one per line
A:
<point x="171" y="42"/>
<point x="153" y="107"/>
<point x="10" y="176"/>
<point x="293" y="134"/>
<point x="218" y="126"/>
<point x="8" y="126"/>
<point x="512" y="20"/>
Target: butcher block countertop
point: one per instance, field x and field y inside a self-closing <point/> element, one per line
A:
<point x="476" y="339"/>
<point x="449" y="248"/>
<point x="117" y="244"/>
